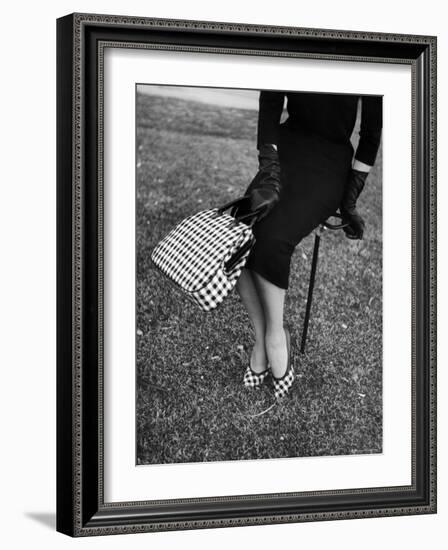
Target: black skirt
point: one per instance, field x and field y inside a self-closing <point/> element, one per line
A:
<point x="314" y="171"/>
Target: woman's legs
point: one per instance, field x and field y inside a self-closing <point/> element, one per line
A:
<point x="264" y="303"/>
<point x="272" y="300"/>
<point x="249" y="296"/>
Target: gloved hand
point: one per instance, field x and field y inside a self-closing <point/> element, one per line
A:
<point x="350" y="215"/>
<point x="264" y="189"/>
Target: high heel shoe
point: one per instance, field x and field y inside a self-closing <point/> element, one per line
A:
<point x="283" y="384"/>
<point x="254" y="379"/>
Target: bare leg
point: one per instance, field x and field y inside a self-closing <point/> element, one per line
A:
<point x="249" y="296"/>
<point x="272" y="300"/>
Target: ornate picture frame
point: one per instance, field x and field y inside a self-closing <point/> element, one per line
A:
<point x="81" y="42"/>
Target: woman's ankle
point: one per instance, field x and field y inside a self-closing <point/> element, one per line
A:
<point x="258" y="359"/>
<point x="275" y="337"/>
<point x="277" y="353"/>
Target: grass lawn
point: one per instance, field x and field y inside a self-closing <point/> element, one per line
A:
<point x="191" y="404"/>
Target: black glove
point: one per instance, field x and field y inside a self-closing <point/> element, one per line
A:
<point x="350" y="215"/>
<point x="264" y="189"/>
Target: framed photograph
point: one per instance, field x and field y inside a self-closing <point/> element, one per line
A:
<point x="246" y="274"/>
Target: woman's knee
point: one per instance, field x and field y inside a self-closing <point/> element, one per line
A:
<point x="271" y="259"/>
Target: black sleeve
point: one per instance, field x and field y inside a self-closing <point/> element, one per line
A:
<point x="269" y="114"/>
<point x="370" y="131"/>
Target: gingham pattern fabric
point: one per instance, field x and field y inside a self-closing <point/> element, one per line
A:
<point x="253" y="379"/>
<point x="194" y="253"/>
<point x="282" y="385"/>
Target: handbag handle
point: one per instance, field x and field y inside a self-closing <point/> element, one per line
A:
<point x="252" y="215"/>
<point x="228" y="205"/>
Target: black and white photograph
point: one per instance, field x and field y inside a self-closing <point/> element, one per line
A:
<point x="259" y="246"/>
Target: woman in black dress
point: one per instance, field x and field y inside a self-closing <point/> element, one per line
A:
<point x="307" y="171"/>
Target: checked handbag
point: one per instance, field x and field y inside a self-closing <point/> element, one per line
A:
<point x="204" y="254"/>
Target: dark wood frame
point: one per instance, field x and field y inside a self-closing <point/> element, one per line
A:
<point x="81" y="39"/>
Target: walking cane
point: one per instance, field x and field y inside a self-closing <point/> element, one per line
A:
<point x="326" y="225"/>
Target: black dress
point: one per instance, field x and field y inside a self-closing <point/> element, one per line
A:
<point x="315" y="155"/>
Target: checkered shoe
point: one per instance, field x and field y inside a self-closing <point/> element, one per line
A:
<point x="254" y="379"/>
<point x="284" y="383"/>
